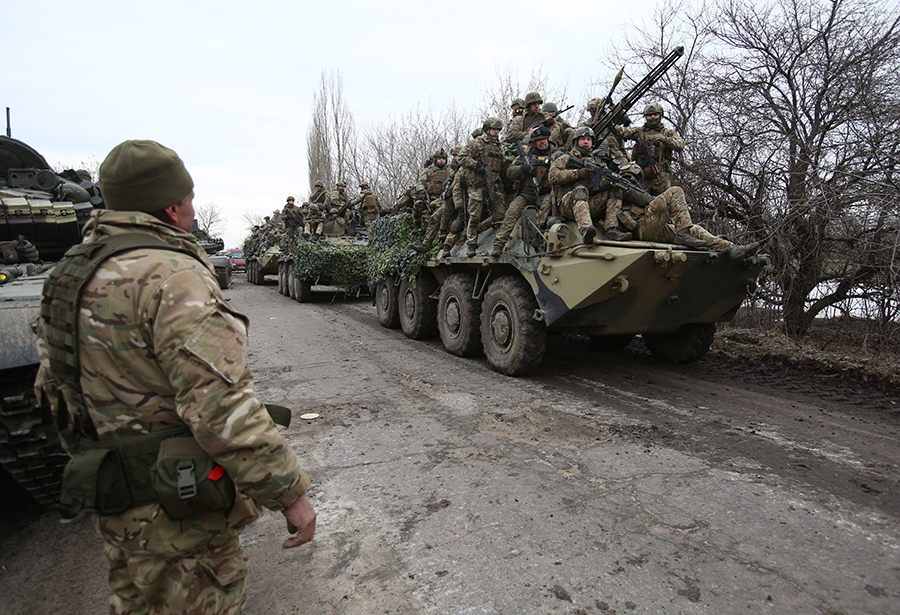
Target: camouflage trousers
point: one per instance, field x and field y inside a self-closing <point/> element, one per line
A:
<point x="314" y="227"/>
<point x="439" y="220"/>
<point x="653" y="224"/>
<point x="576" y="205"/>
<point x="656" y="185"/>
<point x="480" y="217"/>
<point x="514" y="212"/>
<point x="161" y="567"/>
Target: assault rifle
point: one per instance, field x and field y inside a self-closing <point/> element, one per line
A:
<point x="648" y="161"/>
<point x="619" y="111"/>
<point x="633" y="192"/>
<point x="544" y="121"/>
<point x="528" y="168"/>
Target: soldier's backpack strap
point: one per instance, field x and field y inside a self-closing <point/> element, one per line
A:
<point x="59" y="312"/>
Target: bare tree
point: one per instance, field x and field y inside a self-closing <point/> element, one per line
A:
<point x="331" y="138"/>
<point x="790" y="111"/>
<point x="251" y="220"/>
<point x="210" y="218"/>
<point x="508" y="86"/>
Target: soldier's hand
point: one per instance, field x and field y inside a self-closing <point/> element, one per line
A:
<point x="584" y="173"/>
<point x="301" y="520"/>
<point x="479" y="168"/>
<point x="527" y="169"/>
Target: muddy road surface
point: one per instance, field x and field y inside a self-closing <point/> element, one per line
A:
<point x="606" y="483"/>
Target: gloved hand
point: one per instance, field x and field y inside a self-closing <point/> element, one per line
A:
<point x="528" y="169"/>
<point x="479" y="168"/>
<point x="584" y="173"/>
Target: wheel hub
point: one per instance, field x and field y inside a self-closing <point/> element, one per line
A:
<point x="409" y="305"/>
<point x="501" y="327"/>
<point x="452" y="316"/>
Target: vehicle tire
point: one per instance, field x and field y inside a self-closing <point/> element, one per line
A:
<point x="282" y="279"/>
<point x="611" y="342"/>
<point x="223" y="277"/>
<point x="686" y="345"/>
<point x="249" y="271"/>
<point x="458" y="316"/>
<point x="418" y="311"/>
<point x="386" y="303"/>
<point x="304" y="290"/>
<point x="514" y="342"/>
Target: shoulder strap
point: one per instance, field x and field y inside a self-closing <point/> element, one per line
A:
<point x="59" y="313"/>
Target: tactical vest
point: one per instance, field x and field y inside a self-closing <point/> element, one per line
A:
<point x="109" y="477"/>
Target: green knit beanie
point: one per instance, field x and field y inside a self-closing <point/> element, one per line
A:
<point x="143" y="176"/>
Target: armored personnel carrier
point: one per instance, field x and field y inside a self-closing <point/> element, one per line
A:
<point x="49" y="210"/>
<point x="549" y="281"/>
<point x="332" y="260"/>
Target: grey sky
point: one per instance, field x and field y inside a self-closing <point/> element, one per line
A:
<point x="228" y="85"/>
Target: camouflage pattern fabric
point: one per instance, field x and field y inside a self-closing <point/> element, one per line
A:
<point x="369" y="204"/>
<point x="662" y="142"/>
<point x="519" y="125"/>
<point x="578" y="201"/>
<point x="525" y="195"/>
<point x="653" y="223"/>
<point x="161" y="348"/>
<point x="319" y="197"/>
<point x="485" y="151"/>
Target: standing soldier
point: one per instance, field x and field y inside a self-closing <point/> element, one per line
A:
<point x="292" y="219"/>
<point x="446" y="209"/>
<point x="561" y="132"/>
<point x="143" y="366"/>
<point x="520" y="124"/>
<point x="368" y="202"/>
<point x="338" y="202"/>
<point x="654" y="144"/>
<point x="613" y="144"/>
<point x="482" y="161"/>
<point x="429" y="187"/>
<point x="320" y="196"/>
<point x="531" y="179"/>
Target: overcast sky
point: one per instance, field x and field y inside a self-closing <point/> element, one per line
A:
<point x="229" y="85"/>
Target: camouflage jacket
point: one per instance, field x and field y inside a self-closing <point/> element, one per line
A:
<point x="431" y="182"/>
<point x="319" y="197"/>
<point x="368" y="202"/>
<point x="337" y="200"/>
<point x="566" y="179"/>
<point x="661" y="141"/>
<point x="541" y="163"/>
<point x="518" y="126"/>
<point x="482" y="150"/>
<point x="159" y="347"/>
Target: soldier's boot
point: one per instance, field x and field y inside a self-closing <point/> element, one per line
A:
<point x="446" y="252"/>
<point x="422" y="248"/>
<point x="588" y="235"/>
<point x="739" y="253"/>
<point x="684" y="238"/>
<point x="497" y="251"/>
<point x="473" y="249"/>
<point x="615" y="234"/>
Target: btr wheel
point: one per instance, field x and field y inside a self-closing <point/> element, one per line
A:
<point x="458" y="316"/>
<point x="686" y="345"/>
<point x="386" y="303"/>
<point x="514" y="342"/>
<point x="304" y="290"/>
<point x="418" y="311"/>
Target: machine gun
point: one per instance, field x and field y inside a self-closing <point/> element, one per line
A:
<point x="632" y="192"/>
<point x="529" y="170"/>
<point x="618" y="113"/>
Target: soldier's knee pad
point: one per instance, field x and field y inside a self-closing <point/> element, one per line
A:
<point x="580" y="193"/>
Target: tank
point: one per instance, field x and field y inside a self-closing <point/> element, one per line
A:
<point x="213" y="246"/>
<point x="548" y="281"/>
<point x="49" y="210"/>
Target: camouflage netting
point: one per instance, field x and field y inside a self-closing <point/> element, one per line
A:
<point x="389" y="249"/>
<point x="333" y="263"/>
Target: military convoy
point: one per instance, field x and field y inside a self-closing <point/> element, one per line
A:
<point x="334" y="259"/>
<point x="212" y="246"/>
<point x="549" y="281"/>
<point x="49" y="210"/>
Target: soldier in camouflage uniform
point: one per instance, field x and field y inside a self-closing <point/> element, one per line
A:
<point x="613" y="144"/>
<point x="523" y="174"/>
<point x="320" y="195"/>
<point x="660" y="142"/>
<point x="429" y="187"/>
<point x="338" y="200"/>
<point x="368" y="202"/>
<point x="315" y="221"/>
<point x="482" y="163"/>
<point x="579" y="200"/>
<point x="443" y="206"/>
<point x="666" y="219"/>
<point x="520" y="124"/>
<point x="293" y="219"/>
<point x="159" y="348"/>
<point x="561" y="132"/>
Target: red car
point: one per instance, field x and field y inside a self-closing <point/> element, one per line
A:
<point x="237" y="259"/>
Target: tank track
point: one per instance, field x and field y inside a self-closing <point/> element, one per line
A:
<point x="25" y="453"/>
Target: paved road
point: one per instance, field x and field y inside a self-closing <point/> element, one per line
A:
<point x="608" y="483"/>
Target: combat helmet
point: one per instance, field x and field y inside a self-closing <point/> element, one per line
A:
<point x="491" y="122"/>
<point x="594" y="105"/>
<point x="340" y="184"/>
<point x="533" y="97"/>
<point x="440" y="153"/>
<point x="584" y="131"/>
<point x="456" y="150"/>
<point x="364" y="185"/>
<point x="653" y="108"/>
<point x="319" y="184"/>
<point x="549" y="107"/>
<point x="517" y="102"/>
<point x="290" y="198"/>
